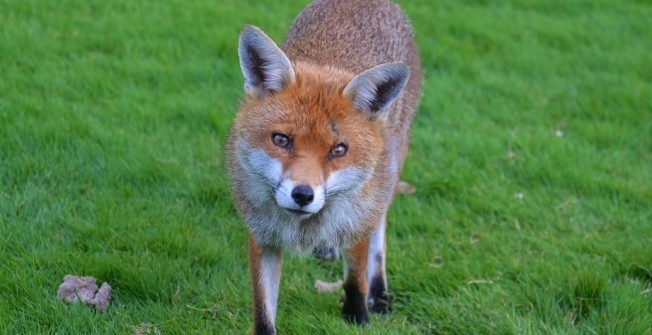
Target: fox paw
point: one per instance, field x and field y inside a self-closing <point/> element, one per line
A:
<point x="380" y="305"/>
<point x="358" y="317"/>
<point x="354" y="309"/>
<point x="326" y="253"/>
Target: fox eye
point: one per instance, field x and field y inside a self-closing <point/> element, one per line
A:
<point x="281" y="140"/>
<point x="338" y="150"/>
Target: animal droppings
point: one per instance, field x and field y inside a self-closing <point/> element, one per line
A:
<point x="325" y="287"/>
<point x="84" y="289"/>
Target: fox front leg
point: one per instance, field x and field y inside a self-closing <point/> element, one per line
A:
<point x="378" y="301"/>
<point x="355" y="283"/>
<point x="265" y="265"/>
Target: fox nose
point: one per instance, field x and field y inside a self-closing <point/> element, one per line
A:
<point x="303" y="195"/>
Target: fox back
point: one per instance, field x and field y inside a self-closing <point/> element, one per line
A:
<point x="355" y="36"/>
<point x="318" y="144"/>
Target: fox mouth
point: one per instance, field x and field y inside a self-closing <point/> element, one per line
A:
<point x="298" y="211"/>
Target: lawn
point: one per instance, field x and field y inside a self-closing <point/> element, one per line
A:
<point x="531" y="153"/>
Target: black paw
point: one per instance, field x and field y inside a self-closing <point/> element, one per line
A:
<point x="380" y="305"/>
<point x="326" y="253"/>
<point x="354" y="309"/>
<point x="263" y="329"/>
<point x="358" y="317"/>
<point x="379" y="302"/>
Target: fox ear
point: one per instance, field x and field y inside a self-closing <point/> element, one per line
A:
<point x="374" y="90"/>
<point x="264" y="66"/>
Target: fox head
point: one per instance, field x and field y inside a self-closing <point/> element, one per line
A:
<point x="309" y="132"/>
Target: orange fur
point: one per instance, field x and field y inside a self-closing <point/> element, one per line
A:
<point x="306" y="109"/>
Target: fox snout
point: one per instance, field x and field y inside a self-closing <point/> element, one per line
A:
<point x="300" y="198"/>
<point x="303" y="195"/>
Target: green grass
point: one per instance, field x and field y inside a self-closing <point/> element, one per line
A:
<point x="114" y="115"/>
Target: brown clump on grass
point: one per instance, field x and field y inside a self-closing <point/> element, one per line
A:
<point x="405" y="188"/>
<point x="84" y="289"/>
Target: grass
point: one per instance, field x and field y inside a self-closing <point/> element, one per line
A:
<point x="531" y="153"/>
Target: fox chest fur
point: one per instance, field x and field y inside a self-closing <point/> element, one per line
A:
<point x="301" y="92"/>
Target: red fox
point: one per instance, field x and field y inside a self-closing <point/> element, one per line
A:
<point x="318" y="144"/>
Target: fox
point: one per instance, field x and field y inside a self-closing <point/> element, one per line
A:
<point x="317" y="146"/>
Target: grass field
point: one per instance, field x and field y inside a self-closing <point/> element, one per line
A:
<point x="531" y="154"/>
